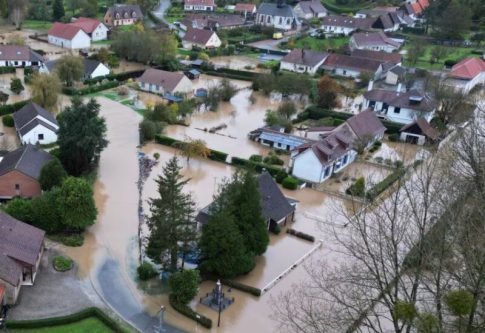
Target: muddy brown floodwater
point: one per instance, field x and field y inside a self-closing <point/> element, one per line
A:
<point x="115" y="232"/>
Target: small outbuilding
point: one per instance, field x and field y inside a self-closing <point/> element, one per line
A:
<point x="418" y="132"/>
<point x="34" y="124"/>
<point x="192" y="74"/>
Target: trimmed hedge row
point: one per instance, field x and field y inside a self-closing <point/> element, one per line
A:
<point x="258" y="167"/>
<point x="214" y="155"/>
<point x="64" y="320"/>
<point x="118" y="77"/>
<point x="232" y="73"/>
<point x="242" y="287"/>
<point x="385" y="183"/>
<point x="189" y="313"/>
<point x="11" y="108"/>
<point x="300" y="234"/>
<point x="7" y="70"/>
<point x="89" y="90"/>
<point x="314" y="112"/>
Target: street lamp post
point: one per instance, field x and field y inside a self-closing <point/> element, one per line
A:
<point x="160" y="328"/>
<point x="219" y="294"/>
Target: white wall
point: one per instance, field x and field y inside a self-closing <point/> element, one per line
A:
<point x="101" y="70"/>
<point x="300" y="68"/>
<point x="185" y="86"/>
<point x="279" y="22"/>
<point x="100" y="33"/>
<point x="80" y="41"/>
<point x="15" y="63"/>
<point x="199" y="7"/>
<point x="32" y="136"/>
<point x="337" y="30"/>
<point x="403" y="115"/>
<point x="306" y="166"/>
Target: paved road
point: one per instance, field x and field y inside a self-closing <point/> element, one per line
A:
<point x="115" y="291"/>
<point x="160" y="10"/>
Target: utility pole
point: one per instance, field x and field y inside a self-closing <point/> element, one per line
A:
<point x="160" y="328"/>
<point x="219" y="294"/>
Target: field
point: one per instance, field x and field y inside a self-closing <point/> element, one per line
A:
<point x="454" y="53"/>
<point x="317" y="44"/>
<point x="91" y="325"/>
<point x="36" y="25"/>
<point x="347" y="8"/>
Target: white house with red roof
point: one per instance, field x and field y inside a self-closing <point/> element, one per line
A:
<point x="200" y="5"/>
<point x="467" y="74"/>
<point x="68" y="36"/>
<point x="201" y="38"/>
<point x="95" y="29"/>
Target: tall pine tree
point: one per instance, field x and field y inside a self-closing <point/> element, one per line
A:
<point x="172" y="224"/>
<point x="57" y="10"/>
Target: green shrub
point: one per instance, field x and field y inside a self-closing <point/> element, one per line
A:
<point x="7" y="70"/>
<point x="184" y="285"/>
<point x="385" y="184"/>
<point x="11" y="108"/>
<point x="188" y="312"/>
<point x="218" y="156"/>
<point x="242" y="287"/>
<point x="405" y="311"/>
<point x="7" y="121"/>
<point x="146" y="271"/>
<point x="290" y="183"/>
<point x="72" y="240"/>
<point x="357" y="189"/>
<point x="280" y="176"/>
<point x="165" y="140"/>
<point x="398" y="164"/>
<point x="62" y="264"/>
<point x="273" y="160"/>
<point x="394" y="137"/>
<point x="300" y="234"/>
<point x="148" y="130"/>
<point x="258" y="167"/>
<point x="276" y="229"/>
<point x="460" y="302"/>
<point x="256" y="158"/>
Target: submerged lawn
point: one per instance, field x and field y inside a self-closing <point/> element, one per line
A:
<point x="454" y="53"/>
<point x="91" y="325"/>
<point x="320" y="44"/>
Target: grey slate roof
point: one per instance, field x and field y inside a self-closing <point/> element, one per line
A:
<point x="19" y="53"/>
<point x="89" y="66"/>
<point x="365" y="124"/>
<point x="275" y="206"/>
<point x="403" y="99"/>
<point x="123" y="10"/>
<point x="25" y="118"/>
<point x="305" y="57"/>
<point x="273" y="9"/>
<point x="19" y="243"/>
<point x="312" y="6"/>
<point x="27" y="159"/>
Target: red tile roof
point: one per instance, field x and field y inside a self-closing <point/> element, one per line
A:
<point x="382" y="56"/>
<point x="468" y="68"/>
<point x="417" y="8"/>
<point x="200" y="2"/>
<point x="87" y="24"/>
<point x="198" y="36"/>
<point x="2" y="291"/>
<point x="245" y="7"/>
<point x="64" y="31"/>
<point x="424" y="3"/>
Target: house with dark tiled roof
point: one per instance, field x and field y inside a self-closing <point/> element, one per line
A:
<point x="92" y="27"/>
<point x="122" y="14"/>
<point x="279" y="15"/>
<point x="400" y="106"/>
<point x="21" y="249"/>
<point x="92" y="68"/>
<point x="164" y="82"/>
<point x="384" y="57"/>
<point x="275" y="207"/>
<point x="345" y="25"/>
<point x="68" y="36"/>
<point x="212" y="21"/>
<point x="418" y="132"/>
<point x="303" y="61"/>
<point x="351" y="66"/>
<point x="467" y="74"/>
<point x="201" y="38"/>
<point x="20" y="172"/>
<point x="19" y="56"/>
<point x="277" y="139"/>
<point x="35" y="125"/>
<point x="200" y="5"/>
<point x="310" y="9"/>
<point x="315" y="162"/>
<point x="375" y="41"/>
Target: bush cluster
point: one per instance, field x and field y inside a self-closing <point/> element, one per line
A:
<point x="290" y="183"/>
<point x="188" y="312"/>
<point x="385" y="183"/>
<point x="214" y="155"/>
<point x="62" y="264"/>
<point x="70" y="91"/>
<point x="8" y="121"/>
<point x="11" y="108"/>
<point x="146" y="271"/>
<point x="258" y="167"/>
<point x="357" y="189"/>
<point x="242" y="287"/>
<point x="273" y="160"/>
<point x="300" y="234"/>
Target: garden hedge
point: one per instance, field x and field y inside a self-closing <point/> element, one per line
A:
<point x="385" y="183"/>
<point x="118" y="77"/>
<point x="189" y="313"/>
<point x="231" y="73"/>
<point x="258" y="167"/>
<point x="7" y="70"/>
<point x="64" y="320"/>
<point x="300" y="234"/>
<point x="91" y="89"/>
<point x="11" y="108"/>
<point x="290" y="183"/>
<point x="214" y="155"/>
<point x="242" y="287"/>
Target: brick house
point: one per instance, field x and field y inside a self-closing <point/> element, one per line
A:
<point x="121" y="14"/>
<point x="21" y="249"/>
<point x="20" y="172"/>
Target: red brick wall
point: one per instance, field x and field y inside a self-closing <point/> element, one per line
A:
<point x="29" y="187"/>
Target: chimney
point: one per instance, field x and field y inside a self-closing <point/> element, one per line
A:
<point x="371" y="85"/>
<point x="399" y="88"/>
<point x="280" y="3"/>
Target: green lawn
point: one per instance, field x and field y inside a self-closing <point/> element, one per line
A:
<point x="103" y="42"/>
<point x="455" y="53"/>
<point x="36" y="25"/>
<point x="91" y="325"/>
<point x="320" y="44"/>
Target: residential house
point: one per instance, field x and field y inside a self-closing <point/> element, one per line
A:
<point x="212" y="21"/>
<point x="395" y="75"/>
<point x="345" y="25"/>
<point x="34" y="125"/>
<point x="19" y="56"/>
<point x="201" y="38"/>
<point x="200" y="5"/>
<point x="393" y="58"/>
<point x="247" y="9"/>
<point x="418" y="132"/>
<point x="278" y="15"/>
<point x="21" y="249"/>
<point x="387" y="22"/>
<point x="163" y="82"/>
<point x="375" y="12"/>
<point x="400" y="106"/>
<point x="350" y="66"/>
<point x="277" y="138"/>
<point x="277" y="210"/>
<point x="122" y="14"/>
<point x="414" y="9"/>
<point x="92" y="68"/>
<point x="467" y="74"/>
<point x="315" y="162"/>
<point x="303" y="61"/>
<point x="20" y="172"/>
<point x="376" y="41"/>
<point x="310" y="9"/>
<point x="95" y="29"/>
<point x="68" y="36"/>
